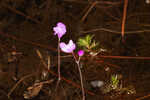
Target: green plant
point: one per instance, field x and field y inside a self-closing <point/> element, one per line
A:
<point x="114" y="81"/>
<point x="88" y="44"/>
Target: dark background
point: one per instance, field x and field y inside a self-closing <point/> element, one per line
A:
<point x="27" y="25"/>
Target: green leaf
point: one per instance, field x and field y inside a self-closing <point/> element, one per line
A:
<point x="112" y="78"/>
<point x="93" y="45"/>
<point x="86" y="43"/>
<point x="89" y="38"/>
<point x="82" y="42"/>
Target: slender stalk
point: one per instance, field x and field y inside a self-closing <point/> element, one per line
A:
<point x="81" y="79"/>
<point x="59" y="78"/>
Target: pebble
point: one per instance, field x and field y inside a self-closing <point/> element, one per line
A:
<point x="97" y="83"/>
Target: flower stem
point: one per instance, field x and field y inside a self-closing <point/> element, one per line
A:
<point x="59" y="78"/>
<point x="81" y="79"/>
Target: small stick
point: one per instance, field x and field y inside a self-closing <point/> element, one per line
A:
<point x="48" y="62"/>
<point x="99" y="2"/>
<point x="15" y="86"/>
<point x="124" y="19"/>
<point x="85" y="15"/>
<point x="41" y="57"/>
<point x="114" y="31"/>
<point x="141" y="98"/>
<point x="45" y="82"/>
<point x="125" y="57"/>
<point x="63" y="78"/>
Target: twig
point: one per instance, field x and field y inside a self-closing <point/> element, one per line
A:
<point x="125" y="57"/>
<point x="20" y="13"/>
<point x="53" y="49"/>
<point x="63" y="78"/>
<point x="14" y="87"/>
<point x="99" y="2"/>
<point x="85" y="9"/>
<point x="45" y="82"/>
<point x="85" y="15"/>
<point x="110" y="15"/>
<point x="48" y="62"/>
<point x="26" y="41"/>
<point x="141" y="98"/>
<point x="124" y="18"/>
<point x="104" y="10"/>
<point x="41" y="57"/>
<point x="109" y="64"/>
<point x="40" y="26"/>
<point x="114" y="31"/>
<point x="46" y="17"/>
<point x="137" y="14"/>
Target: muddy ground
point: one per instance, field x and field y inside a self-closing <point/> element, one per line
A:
<point x="27" y="26"/>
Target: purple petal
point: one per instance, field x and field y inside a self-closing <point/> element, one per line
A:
<point x="60" y="24"/>
<point x="72" y="45"/>
<point x="60" y="29"/>
<point x="67" y="48"/>
<point x="55" y="30"/>
<point x="62" y="45"/>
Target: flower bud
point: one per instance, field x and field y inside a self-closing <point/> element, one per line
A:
<point x="80" y="52"/>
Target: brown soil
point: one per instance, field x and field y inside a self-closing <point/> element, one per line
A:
<point x="27" y="25"/>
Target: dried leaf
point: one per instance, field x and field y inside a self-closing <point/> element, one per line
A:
<point x="32" y="91"/>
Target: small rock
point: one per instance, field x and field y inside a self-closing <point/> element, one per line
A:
<point x="97" y="83"/>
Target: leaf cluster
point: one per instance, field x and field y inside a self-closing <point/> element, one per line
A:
<point x="114" y="80"/>
<point x="87" y="43"/>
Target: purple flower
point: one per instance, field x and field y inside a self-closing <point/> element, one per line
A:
<point x="67" y="48"/>
<point x="80" y="52"/>
<point x="60" y="29"/>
